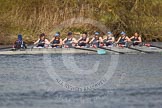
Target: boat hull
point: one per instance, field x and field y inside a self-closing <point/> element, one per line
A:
<point x="81" y="51"/>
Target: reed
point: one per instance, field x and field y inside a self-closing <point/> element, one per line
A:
<point x="31" y="17"/>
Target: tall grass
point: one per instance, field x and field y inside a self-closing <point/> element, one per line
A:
<point x="31" y="17"/>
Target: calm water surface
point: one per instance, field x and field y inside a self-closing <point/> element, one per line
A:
<point x="27" y="81"/>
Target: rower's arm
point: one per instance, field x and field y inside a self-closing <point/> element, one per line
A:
<point x="87" y="40"/>
<point x="105" y="38"/>
<point x="118" y="40"/>
<point x="75" y="41"/>
<point x="113" y="39"/>
<point x="79" y="39"/>
<point x="100" y="38"/>
<point x="63" y="42"/>
<point x="128" y="39"/>
<point x="51" y="40"/>
<point x="91" y="40"/>
<point x="36" y="42"/>
<point x="131" y="37"/>
<point x="139" y="39"/>
<point x="47" y="42"/>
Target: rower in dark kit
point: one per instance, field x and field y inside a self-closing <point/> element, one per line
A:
<point x="42" y="42"/>
<point x="83" y="40"/>
<point x="123" y="40"/>
<point x="109" y="40"/>
<point x="136" y="39"/>
<point x="96" y="41"/>
<point x="56" y="41"/>
<point x="69" y="41"/>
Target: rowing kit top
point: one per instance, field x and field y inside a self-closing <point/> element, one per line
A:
<point x="69" y="41"/>
<point x="41" y="43"/>
<point x="122" y="39"/>
<point x="56" y="41"/>
<point x="135" y="39"/>
<point x="83" y="39"/>
<point x="109" y="38"/>
<point x="96" y="40"/>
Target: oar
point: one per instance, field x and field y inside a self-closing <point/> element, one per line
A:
<point x="138" y="50"/>
<point x="156" y="46"/>
<point x="112" y="50"/>
<point x="33" y="45"/>
<point x="93" y="50"/>
<point x="5" y="47"/>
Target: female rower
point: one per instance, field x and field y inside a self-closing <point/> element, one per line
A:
<point x="123" y="40"/>
<point x="136" y="39"/>
<point x="109" y="40"/>
<point x="56" y="41"/>
<point x="83" y="40"/>
<point x="69" y="41"/>
<point x="42" y="41"/>
<point x="96" y="40"/>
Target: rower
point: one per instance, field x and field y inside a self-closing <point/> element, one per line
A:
<point x="42" y="42"/>
<point x="83" y="40"/>
<point x="69" y="41"/>
<point x="96" y="40"/>
<point x="56" y="41"/>
<point x="123" y="40"/>
<point x="136" y="39"/>
<point x="109" y="40"/>
<point x="19" y="43"/>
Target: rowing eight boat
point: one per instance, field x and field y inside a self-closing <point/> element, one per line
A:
<point x="112" y="50"/>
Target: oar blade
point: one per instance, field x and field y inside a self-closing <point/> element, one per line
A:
<point x="101" y="51"/>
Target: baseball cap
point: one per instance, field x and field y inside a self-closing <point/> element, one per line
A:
<point x="109" y="32"/>
<point x="97" y="33"/>
<point x="56" y="35"/>
<point x="122" y="33"/>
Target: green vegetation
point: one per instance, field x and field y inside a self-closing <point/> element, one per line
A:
<point x="31" y="17"/>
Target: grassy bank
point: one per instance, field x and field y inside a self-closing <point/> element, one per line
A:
<point x="32" y="17"/>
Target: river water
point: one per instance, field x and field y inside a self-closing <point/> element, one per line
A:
<point x="71" y="80"/>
